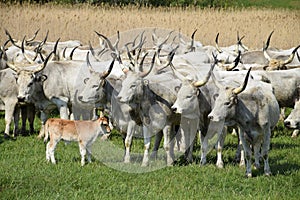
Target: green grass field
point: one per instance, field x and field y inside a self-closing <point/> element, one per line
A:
<point x="25" y="174"/>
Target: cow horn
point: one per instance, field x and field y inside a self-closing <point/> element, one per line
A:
<point x="13" y="67"/>
<point x="24" y="54"/>
<point x="217" y="43"/>
<point x="291" y="57"/>
<point x="105" y="74"/>
<point x="43" y="65"/>
<point x="266" y="54"/>
<point x="268" y="41"/>
<point x="144" y="74"/>
<point x="243" y="86"/>
<point x="33" y="37"/>
<point x="72" y="52"/>
<point x="44" y="41"/>
<point x="88" y="62"/>
<point x="203" y="82"/>
<point x="235" y="63"/>
<point x="107" y="41"/>
<point x="142" y="62"/>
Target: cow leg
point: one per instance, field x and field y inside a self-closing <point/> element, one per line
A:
<point x="265" y="151"/>
<point x="16" y="120"/>
<point x="62" y="107"/>
<point x="51" y="145"/>
<point x="190" y="136"/>
<point x="89" y="153"/>
<point x="158" y="138"/>
<point x="220" y="145"/>
<point x="31" y="116"/>
<point x="147" y="140"/>
<point x="44" y="117"/>
<point x="295" y="133"/>
<point x="248" y="153"/>
<point x="128" y="141"/>
<point x="24" y="118"/>
<point x="169" y="144"/>
<point x="83" y="150"/>
<point x="256" y="148"/>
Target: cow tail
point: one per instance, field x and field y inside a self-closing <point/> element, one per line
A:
<point x="46" y="132"/>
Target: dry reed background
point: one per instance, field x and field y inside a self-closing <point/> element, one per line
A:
<point x="79" y="22"/>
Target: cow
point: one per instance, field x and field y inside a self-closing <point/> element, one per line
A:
<point x="255" y="110"/>
<point x="85" y="132"/>
<point x="149" y="94"/>
<point x="11" y="106"/>
<point x="293" y="120"/>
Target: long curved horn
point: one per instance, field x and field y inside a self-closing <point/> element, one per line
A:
<point x="24" y="54"/>
<point x="105" y="74"/>
<point x="266" y="53"/>
<point x="142" y="62"/>
<point x="44" y="64"/>
<point x="291" y="57"/>
<point x="243" y="86"/>
<point x="33" y="37"/>
<point x="13" y="41"/>
<point x="107" y="41"/>
<point x="88" y="63"/>
<point x="268" y="41"/>
<point x="193" y="41"/>
<point x="45" y="39"/>
<point x="72" y="52"/>
<point x="235" y="63"/>
<point x="203" y="82"/>
<point x="217" y="43"/>
<point x="13" y="67"/>
<point x="151" y="67"/>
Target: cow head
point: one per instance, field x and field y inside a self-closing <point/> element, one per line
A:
<point x="132" y="85"/>
<point x="226" y="99"/>
<point x="293" y="120"/>
<point x="94" y="89"/>
<point x="27" y="78"/>
<point x="187" y="102"/>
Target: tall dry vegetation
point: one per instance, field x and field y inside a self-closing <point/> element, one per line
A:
<point x="79" y="22"/>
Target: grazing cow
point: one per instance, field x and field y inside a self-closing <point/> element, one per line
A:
<point x="255" y="110"/>
<point x="84" y="132"/>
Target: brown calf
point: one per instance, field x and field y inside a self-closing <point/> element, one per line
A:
<point x="85" y="132"/>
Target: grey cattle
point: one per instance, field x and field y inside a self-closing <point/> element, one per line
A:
<point x="148" y="94"/>
<point x="11" y="106"/>
<point x="193" y="102"/>
<point x="256" y="112"/>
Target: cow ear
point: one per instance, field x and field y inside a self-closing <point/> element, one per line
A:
<point x="177" y="88"/>
<point x="86" y="80"/>
<point x="146" y="82"/>
<point x="103" y="83"/>
<point x="43" y="77"/>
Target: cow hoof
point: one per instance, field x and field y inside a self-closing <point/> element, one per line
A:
<point x="256" y="166"/>
<point x="268" y="174"/>
<point x="248" y="175"/>
<point x="145" y="164"/>
<point x="220" y="165"/>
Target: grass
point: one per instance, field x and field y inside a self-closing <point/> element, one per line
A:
<point x="25" y="174"/>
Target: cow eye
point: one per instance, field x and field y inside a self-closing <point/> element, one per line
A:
<point x="189" y="96"/>
<point x="133" y="86"/>
<point x="227" y="103"/>
<point x="94" y="86"/>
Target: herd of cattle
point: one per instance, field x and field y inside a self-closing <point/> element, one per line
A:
<point x="164" y="85"/>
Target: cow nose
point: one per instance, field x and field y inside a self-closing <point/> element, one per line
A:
<point x="210" y="117"/>
<point x="21" y="99"/>
<point x="287" y="123"/>
<point x="174" y="109"/>
<point x="80" y="98"/>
